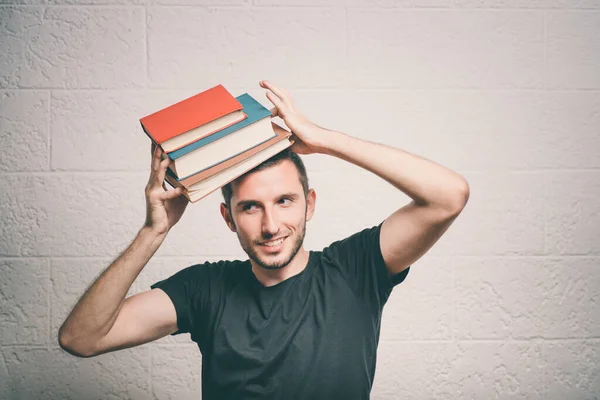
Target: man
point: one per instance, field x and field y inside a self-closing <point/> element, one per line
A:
<point x="287" y="323"/>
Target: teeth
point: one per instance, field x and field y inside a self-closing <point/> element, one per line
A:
<point x="275" y="243"/>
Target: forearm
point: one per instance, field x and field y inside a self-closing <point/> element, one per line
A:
<point x="427" y="183"/>
<point x="96" y="311"/>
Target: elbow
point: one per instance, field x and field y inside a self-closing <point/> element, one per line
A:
<point x="70" y="348"/>
<point x="460" y="198"/>
<point x="465" y="192"/>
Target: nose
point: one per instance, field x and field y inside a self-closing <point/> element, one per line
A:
<point x="270" y="224"/>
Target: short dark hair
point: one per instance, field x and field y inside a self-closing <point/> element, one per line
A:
<point x="287" y="154"/>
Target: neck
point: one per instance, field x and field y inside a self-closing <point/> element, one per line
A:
<point x="270" y="277"/>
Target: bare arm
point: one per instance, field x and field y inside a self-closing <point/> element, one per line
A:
<point x="97" y="310"/>
<point x="438" y="194"/>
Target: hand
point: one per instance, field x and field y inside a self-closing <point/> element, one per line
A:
<point x="163" y="207"/>
<point x="308" y="137"/>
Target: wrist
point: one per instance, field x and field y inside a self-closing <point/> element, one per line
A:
<point x="328" y="141"/>
<point x="151" y="235"/>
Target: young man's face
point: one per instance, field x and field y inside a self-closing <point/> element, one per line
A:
<point x="267" y="206"/>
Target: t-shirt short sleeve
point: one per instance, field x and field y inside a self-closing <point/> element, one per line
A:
<point x="360" y="261"/>
<point x="187" y="291"/>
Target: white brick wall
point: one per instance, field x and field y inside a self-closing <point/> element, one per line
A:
<point x="505" y="92"/>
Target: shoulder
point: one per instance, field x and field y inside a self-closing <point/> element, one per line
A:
<point x="220" y="265"/>
<point x="212" y="273"/>
<point x="357" y="242"/>
<point x="222" y="268"/>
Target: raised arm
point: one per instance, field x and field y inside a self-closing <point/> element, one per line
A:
<point x="438" y="194"/>
<point x="103" y="306"/>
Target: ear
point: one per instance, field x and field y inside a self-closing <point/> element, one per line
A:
<point x="311" y="199"/>
<point x="227" y="217"/>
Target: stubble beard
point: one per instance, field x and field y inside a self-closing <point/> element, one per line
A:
<point x="296" y="245"/>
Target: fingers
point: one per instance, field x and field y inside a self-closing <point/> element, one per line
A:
<point x="280" y="92"/>
<point x="279" y="97"/>
<point x="162" y="171"/>
<point x="172" y="194"/>
<point x="156" y="153"/>
<point x="281" y="109"/>
<point x="157" y="177"/>
<point x="159" y="169"/>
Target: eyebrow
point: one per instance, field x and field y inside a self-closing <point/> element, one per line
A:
<point x="243" y="203"/>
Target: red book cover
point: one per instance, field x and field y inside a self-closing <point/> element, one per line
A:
<point x="189" y="114"/>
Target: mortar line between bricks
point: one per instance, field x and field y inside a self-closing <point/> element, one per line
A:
<point x="546" y="192"/>
<point x="545" y="86"/>
<point x="544" y="50"/>
<point x="128" y="6"/>
<point x="420" y="9"/>
<point x="49" y="308"/>
<point x="275" y="6"/>
<point x="345" y="44"/>
<point x="146" y="75"/>
<point x="117" y="173"/>
<point x="544" y="370"/>
<point x="150" y="384"/>
<point x="453" y="328"/>
<point x="318" y="89"/>
<point x="48" y="125"/>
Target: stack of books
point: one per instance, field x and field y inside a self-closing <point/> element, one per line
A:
<point x="212" y="138"/>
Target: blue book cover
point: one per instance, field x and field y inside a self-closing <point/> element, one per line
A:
<point x="253" y="109"/>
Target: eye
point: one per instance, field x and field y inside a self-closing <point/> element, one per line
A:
<point x="248" y="207"/>
<point x="284" y="198"/>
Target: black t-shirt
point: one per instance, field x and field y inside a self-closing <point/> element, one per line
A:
<point x="312" y="336"/>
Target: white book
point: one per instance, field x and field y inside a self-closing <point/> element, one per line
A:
<point x="223" y="148"/>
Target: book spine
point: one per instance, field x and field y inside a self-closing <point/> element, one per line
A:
<point x="148" y="134"/>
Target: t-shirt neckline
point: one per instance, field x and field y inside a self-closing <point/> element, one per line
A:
<point x="306" y="269"/>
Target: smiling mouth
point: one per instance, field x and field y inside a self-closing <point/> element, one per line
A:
<point x="274" y="243"/>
